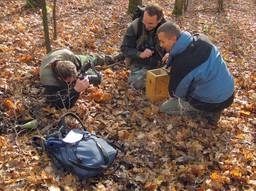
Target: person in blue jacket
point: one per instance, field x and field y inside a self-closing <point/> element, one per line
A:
<point x="200" y="82"/>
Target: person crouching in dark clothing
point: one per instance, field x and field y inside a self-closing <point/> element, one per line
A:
<point x="200" y="82"/>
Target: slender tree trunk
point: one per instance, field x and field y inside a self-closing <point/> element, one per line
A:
<point x="33" y="3"/>
<point x="186" y="3"/>
<point x="220" y="6"/>
<point x="54" y="20"/>
<point x="181" y="6"/>
<point x="178" y="7"/>
<point x="133" y="4"/>
<point x="46" y="29"/>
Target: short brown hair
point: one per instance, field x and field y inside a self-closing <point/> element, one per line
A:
<point x="153" y="10"/>
<point x="66" y="69"/>
<point x="170" y="29"/>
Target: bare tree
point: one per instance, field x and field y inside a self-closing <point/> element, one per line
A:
<point x="46" y="28"/>
<point x="33" y="3"/>
<point x="54" y="20"/>
<point x="133" y="4"/>
<point x="180" y="7"/>
<point x="220" y="5"/>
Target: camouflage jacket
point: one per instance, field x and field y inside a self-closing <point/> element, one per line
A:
<point x="57" y="92"/>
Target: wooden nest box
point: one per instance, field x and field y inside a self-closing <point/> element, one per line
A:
<point x="157" y="84"/>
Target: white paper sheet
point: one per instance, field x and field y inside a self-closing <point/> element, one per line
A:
<point x="73" y="136"/>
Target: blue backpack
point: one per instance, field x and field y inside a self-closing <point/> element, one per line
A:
<point x="78" y="151"/>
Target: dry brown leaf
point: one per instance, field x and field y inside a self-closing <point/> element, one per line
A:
<point x="25" y="58"/>
<point x="198" y="170"/>
<point x="110" y="50"/>
<point x="108" y="71"/>
<point x="151" y="186"/>
<point x="36" y="71"/>
<point x="125" y="135"/>
<point x="9" y="104"/>
<point x="245" y="113"/>
<point x="2" y="141"/>
<point x="236" y="173"/>
<point x="106" y="97"/>
<point x="3" y="83"/>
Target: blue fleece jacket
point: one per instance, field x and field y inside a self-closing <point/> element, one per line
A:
<point x="210" y="82"/>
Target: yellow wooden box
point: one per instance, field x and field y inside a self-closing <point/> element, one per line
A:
<point x="157" y="84"/>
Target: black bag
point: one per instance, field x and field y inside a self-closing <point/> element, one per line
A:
<point x="78" y="151"/>
<point x="138" y="12"/>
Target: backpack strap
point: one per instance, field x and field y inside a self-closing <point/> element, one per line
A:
<point x="38" y="142"/>
<point x="116" y="145"/>
<point x="137" y="26"/>
<point x="62" y="125"/>
<point x="140" y="27"/>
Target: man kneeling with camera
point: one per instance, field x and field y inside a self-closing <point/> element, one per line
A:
<point x="65" y="75"/>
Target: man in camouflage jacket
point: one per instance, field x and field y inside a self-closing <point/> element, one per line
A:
<point x="58" y="76"/>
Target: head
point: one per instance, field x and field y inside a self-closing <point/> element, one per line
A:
<point x="152" y="16"/>
<point x="66" y="71"/>
<point x="168" y="33"/>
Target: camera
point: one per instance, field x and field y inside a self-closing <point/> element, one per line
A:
<point x="94" y="79"/>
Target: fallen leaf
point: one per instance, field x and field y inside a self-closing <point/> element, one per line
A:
<point x="108" y="71"/>
<point x="245" y="113"/>
<point x="106" y="97"/>
<point x="3" y="83"/>
<point x="9" y="104"/>
<point x="25" y="58"/>
<point x="2" y="141"/>
<point x="236" y="173"/>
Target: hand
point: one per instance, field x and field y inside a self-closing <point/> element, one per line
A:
<point x="146" y="53"/>
<point x="165" y="58"/>
<point x="81" y="85"/>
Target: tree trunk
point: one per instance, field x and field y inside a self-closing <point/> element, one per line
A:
<point x="46" y="29"/>
<point x="186" y="3"/>
<point x="133" y="4"/>
<point x="34" y="3"/>
<point x="180" y="7"/>
<point x="54" y="20"/>
<point x="220" y="6"/>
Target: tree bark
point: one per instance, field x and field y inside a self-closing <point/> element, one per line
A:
<point x="54" y="20"/>
<point x="46" y="29"/>
<point x="133" y="4"/>
<point x="186" y="3"/>
<point x="180" y="7"/>
<point x="220" y="6"/>
<point x="33" y="3"/>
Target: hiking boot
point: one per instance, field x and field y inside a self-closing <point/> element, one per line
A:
<point x="109" y="60"/>
<point x="212" y="117"/>
<point x="113" y="59"/>
<point x="99" y="60"/>
<point x="119" y="57"/>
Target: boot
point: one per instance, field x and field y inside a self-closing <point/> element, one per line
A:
<point x="113" y="59"/>
<point x="213" y="117"/>
<point x="100" y="60"/>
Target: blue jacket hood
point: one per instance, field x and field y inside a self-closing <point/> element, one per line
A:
<point x="181" y="44"/>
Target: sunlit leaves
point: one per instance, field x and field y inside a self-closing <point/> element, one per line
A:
<point x="98" y="95"/>
<point x="9" y="104"/>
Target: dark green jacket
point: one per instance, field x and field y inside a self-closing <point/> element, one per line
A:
<point x="137" y="39"/>
<point x="57" y="92"/>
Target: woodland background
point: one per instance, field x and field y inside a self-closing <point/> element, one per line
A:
<point x="162" y="152"/>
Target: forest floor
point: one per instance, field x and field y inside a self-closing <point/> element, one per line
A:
<point x="162" y="152"/>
